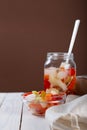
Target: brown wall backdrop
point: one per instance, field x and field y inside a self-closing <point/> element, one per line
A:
<point x="31" y="28"/>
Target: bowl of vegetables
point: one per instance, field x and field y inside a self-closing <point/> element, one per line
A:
<point x="39" y="101"/>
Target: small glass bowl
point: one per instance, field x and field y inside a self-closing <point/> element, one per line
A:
<point x="38" y="107"/>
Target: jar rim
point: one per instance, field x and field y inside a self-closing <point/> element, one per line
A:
<point x="59" y="54"/>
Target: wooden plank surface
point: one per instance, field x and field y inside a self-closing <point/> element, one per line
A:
<point x="31" y="122"/>
<point x="15" y="116"/>
<point x="2" y="97"/>
<point x="10" y="112"/>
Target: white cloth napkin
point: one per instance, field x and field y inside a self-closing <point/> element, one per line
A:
<point x="69" y="116"/>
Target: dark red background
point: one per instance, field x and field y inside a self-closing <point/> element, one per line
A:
<point x="31" y="28"/>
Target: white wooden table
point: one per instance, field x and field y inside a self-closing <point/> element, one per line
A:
<point x="15" y="116"/>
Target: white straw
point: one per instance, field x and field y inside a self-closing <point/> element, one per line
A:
<point x="75" y="30"/>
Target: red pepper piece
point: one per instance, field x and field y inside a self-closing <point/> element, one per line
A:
<point x="46" y="82"/>
<point x="72" y="71"/>
<point x="27" y="93"/>
<point x="72" y="84"/>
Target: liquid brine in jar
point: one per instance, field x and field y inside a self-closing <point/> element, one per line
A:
<point x="59" y="75"/>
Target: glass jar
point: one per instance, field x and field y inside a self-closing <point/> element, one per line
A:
<point x="60" y="72"/>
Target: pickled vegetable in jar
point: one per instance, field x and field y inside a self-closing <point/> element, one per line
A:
<point x="58" y="73"/>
